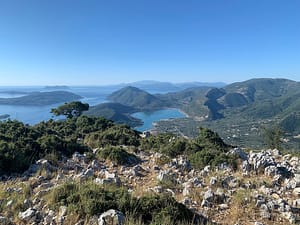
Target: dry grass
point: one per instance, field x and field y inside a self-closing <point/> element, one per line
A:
<point x="12" y="196"/>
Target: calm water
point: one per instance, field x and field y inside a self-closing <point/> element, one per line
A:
<point x="35" y="114"/>
<point x="150" y="117"/>
<point x="92" y="95"/>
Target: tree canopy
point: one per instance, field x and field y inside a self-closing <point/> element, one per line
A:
<point x="70" y="109"/>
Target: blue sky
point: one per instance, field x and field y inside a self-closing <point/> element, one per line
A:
<point x="95" y="42"/>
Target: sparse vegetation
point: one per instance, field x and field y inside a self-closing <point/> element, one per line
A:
<point x="117" y="154"/>
<point x="91" y="199"/>
<point x="273" y="137"/>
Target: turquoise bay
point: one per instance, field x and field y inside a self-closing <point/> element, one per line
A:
<point x="151" y="117"/>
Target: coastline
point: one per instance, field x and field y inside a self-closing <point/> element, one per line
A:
<point x="156" y="118"/>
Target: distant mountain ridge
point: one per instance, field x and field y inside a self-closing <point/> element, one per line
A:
<point x="137" y="98"/>
<point x="172" y="87"/>
<point x="252" y="103"/>
<point x="152" y="86"/>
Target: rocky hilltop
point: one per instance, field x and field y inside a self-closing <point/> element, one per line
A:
<point x="264" y="189"/>
<point x="88" y="170"/>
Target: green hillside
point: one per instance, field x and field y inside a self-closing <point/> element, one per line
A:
<point x="137" y="98"/>
<point x="190" y="100"/>
<point x="116" y="112"/>
<point x="240" y="110"/>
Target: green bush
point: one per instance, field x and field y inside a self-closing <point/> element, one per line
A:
<point x="117" y="155"/>
<point x="213" y="158"/>
<point x="167" y="144"/>
<point x="89" y="199"/>
<point x="116" y="135"/>
<point x="21" y="145"/>
<point x="207" y="139"/>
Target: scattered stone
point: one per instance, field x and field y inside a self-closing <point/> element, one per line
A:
<point x="258" y="223"/>
<point x="9" y="204"/>
<point x="271" y="171"/>
<point x="186" y="201"/>
<point x="246" y="167"/>
<point x="186" y="191"/>
<point x="208" y="196"/>
<point x="157" y="189"/>
<point x="164" y="176"/>
<point x="296" y="203"/>
<point x="223" y="206"/>
<point x="27" y="203"/>
<point x="181" y="163"/>
<point x="264" y="212"/>
<point x="111" y="217"/>
<point x="213" y="181"/>
<point x="278" y="200"/>
<point x="5" y="221"/>
<point x="62" y="211"/>
<point x="240" y="153"/>
<point x="229" y="182"/>
<point x="261" y="160"/>
<point x="289" y="216"/>
<point x="296" y="191"/>
<point x="29" y="215"/>
<point x="49" y="218"/>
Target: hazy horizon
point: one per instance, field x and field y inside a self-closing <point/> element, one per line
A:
<point x="137" y="81"/>
<point x="65" y="42"/>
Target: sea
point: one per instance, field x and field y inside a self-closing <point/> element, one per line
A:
<point x="92" y="95"/>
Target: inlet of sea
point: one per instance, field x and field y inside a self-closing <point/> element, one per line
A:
<point x="35" y="114"/>
<point x="149" y="118"/>
<point x="92" y="95"/>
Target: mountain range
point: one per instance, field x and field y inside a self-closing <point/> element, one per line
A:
<point x="247" y="106"/>
<point x="162" y="87"/>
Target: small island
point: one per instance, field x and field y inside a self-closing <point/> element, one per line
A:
<point x="4" y="116"/>
<point x="41" y="98"/>
<point x="57" y="87"/>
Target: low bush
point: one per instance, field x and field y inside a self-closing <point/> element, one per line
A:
<point x="116" y="135"/>
<point x="90" y="199"/>
<point x="213" y="158"/>
<point x="117" y="155"/>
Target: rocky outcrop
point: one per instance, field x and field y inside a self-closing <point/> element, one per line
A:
<point x="266" y="184"/>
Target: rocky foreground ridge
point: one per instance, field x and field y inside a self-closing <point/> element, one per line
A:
<point x="264" y="189"/>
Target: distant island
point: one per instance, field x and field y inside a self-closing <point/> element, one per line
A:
<point x="4" y="116"/>
<point x="125" y="102"/>
<point x="138" y="99"/>
<point x="11" y="92"/>
<point x="57" y="87"/>
<point x="41" y="98"/>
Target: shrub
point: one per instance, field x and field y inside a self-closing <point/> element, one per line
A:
<point x="90" y="199"/>
<point x="21" y="145"/>
<point x="166" y="143"/>
<point x="116" y="135"/>
<point x="117" y="155"/>
<point x="210" y="140"/>
<point x="213" y="158"/>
